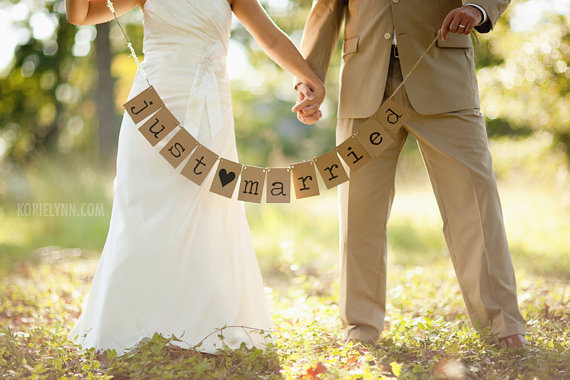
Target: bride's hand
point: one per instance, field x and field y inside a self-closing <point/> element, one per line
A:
<point x="308" y="103"/>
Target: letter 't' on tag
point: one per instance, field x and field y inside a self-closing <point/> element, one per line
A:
<point x="353" y="153"/>
<point x="179" y="147"/>
<point x="199" y="164"/>
<point x="331" y="169"/>
<point x="391" y="115"/>
<point x="226" y="178"/>
<point x="305" y="179"/>
<point x="252" y="183"/>
<point x="278" y="185"/>
<point x="373" y="137"/>
<point x="143" y="105"/>
<point x="158" y="126"/>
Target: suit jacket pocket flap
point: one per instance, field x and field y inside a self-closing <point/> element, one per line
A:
<point x="350" y="46"/>
<point x="455" y="40"/>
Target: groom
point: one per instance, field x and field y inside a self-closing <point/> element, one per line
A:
<point x="382" y="41"/>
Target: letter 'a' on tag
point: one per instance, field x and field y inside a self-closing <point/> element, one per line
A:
<point x="278" y="185"/>
<point x="226" y="178"/>
<point x="373" y="137"/>
<point x="391" y="115"/>
<point x="305" y="179"/>
<point x="199" y="164"/>
<point x="143" y="105"/>
<point x="158" y="126"/>
<point x="252" y="183"/>
<point x="353" y="153"/>
<point x="331" y="169"/>
<point x="179" y="147"/>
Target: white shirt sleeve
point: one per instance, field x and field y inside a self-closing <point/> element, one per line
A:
<point x="482" y="11"/>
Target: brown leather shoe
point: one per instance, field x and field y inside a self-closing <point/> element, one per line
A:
<point x="515" y="341"/>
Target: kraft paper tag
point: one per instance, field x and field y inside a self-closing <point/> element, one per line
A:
<point x="391" y="115"/>
<point x="331" y="169"/>
<point x="179" y="147"/>
<point x="353" y="153"/>
<point x="199" y="164"/>
<point x="143" y="105"/>
<point x="226" y="178"/>
<point x="373" y="137"/>
<point x="252" y="183"/>
<point x="158" y="126"/>
<point x="305" y="179"/>
<point x="278" y="185"/>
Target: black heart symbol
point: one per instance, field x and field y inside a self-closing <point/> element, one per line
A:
<point x="226" y="177"/>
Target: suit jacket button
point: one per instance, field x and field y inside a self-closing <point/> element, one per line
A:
<point x="387" y="36"/>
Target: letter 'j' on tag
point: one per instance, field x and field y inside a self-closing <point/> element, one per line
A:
<point x="226" y="178"/>
<point x="199" y="164"/>
<point x="353" y="153"/>
<point x="252" y="183"/>
<point x="179" y="147"/>
<point x="278" y="185"/>
<point x="331" y="169"/>
<point x="305" y="179"/>
<point x="373" y="137"/>
<point x="143" y="105"/>
<point x="158" y="126"/>
<point x="391" y="115"/>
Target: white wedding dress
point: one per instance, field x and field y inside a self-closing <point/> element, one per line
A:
<point x="178" y="259"/>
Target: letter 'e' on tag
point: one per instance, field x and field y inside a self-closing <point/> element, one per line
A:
<point x="143" y="105"/>
<point x="305" y="179"/>
<point x="252" y="183"/>
<point x="353" y="153"/>
<point x="199" y="164"/>
<point x="331" y="169"/>
<point x="158" y="126"/>
<point x="278" y="185"/>
<point x="391" y="115"/>
<point x="226" y="178"/>
<point x="373" y="137"/>
<point x="179" y="147"/>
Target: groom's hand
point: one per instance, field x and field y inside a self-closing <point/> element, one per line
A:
<point x="307" y="107"/>
<point x="461" y="20"/>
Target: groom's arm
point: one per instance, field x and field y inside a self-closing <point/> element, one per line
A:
<point x="494" y="10"/>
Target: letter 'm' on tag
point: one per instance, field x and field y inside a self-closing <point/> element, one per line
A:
<point x="331" y="169"/>
<point x="391" y="115"/>
<point x="179" y="147"/>
<point x="278" y="185"/>
<point x="158" y="126"/>
<point x="373" y="137"/>
<point x="199" y="164"/>
<point x="353" y="153"/>
<point x="143" y="105"/>
<point x="252" y="183"/>
<point x="305" y="179"/>
<point x="226" y="178"/>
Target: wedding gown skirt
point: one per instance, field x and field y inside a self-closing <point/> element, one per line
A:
<point x="178" y="259"/>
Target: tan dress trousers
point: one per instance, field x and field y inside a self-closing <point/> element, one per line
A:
<point x="456" y="155"/>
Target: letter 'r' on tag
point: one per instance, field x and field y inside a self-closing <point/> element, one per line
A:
<point x="199" y="164"/>
<point x="305" y="179"/>
<point x="143" y="105"/>
<point x="226" y="178"/>
<point x="353" y="153"/>
<point x="252" y="182"/>
<point x="179" y="147"/>
<point x="373" y="137"/>
<point x="158" y="126"/>
<point x="278" y="185"/>
<point x="331" y="169"/>
<point x="391" y="115"/>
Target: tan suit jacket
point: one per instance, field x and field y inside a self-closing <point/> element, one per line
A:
<point x="443" y="82"/>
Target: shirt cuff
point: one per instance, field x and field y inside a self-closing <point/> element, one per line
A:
<point x="482" y="11"/>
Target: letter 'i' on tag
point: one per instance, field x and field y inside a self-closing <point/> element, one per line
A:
<point x="353" y="153"/>
<point x="143" y="105"/>
<point x="226" y="178"/>
<point x="331" y="169"/>
<point x="179" y="147"/>
<point x="305" y="179"/>
<point x="251" y="186"/>
<point x="158" y="126"/>
<point x="278" y="185"/>
<point x="373" y="137"/>
<point x="391" y="115"/>
<point x="199" y="164"/>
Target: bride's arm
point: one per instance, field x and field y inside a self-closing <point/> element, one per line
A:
<point x="91" y="12"/>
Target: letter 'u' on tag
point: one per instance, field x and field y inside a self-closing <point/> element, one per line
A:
<point x="143" y="105"/>
<point x="353" y="153"/>
<point x="158" y="126"/>
<point x="252" y="183"/>
<point x="179" y="147"/>
<point x="199" y="164"/>
<point x="278" y="185"/>
<point x="391" y="115"/>
<point x="373" y="137"/>
<point x="305" y="179"/>
<point x="331" y="169"/>
<point x="226" y="178"/>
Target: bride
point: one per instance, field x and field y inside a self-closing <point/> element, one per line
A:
<point x="178" y="259"/>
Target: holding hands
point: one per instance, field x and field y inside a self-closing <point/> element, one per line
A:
<point x="308" y="103"/>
